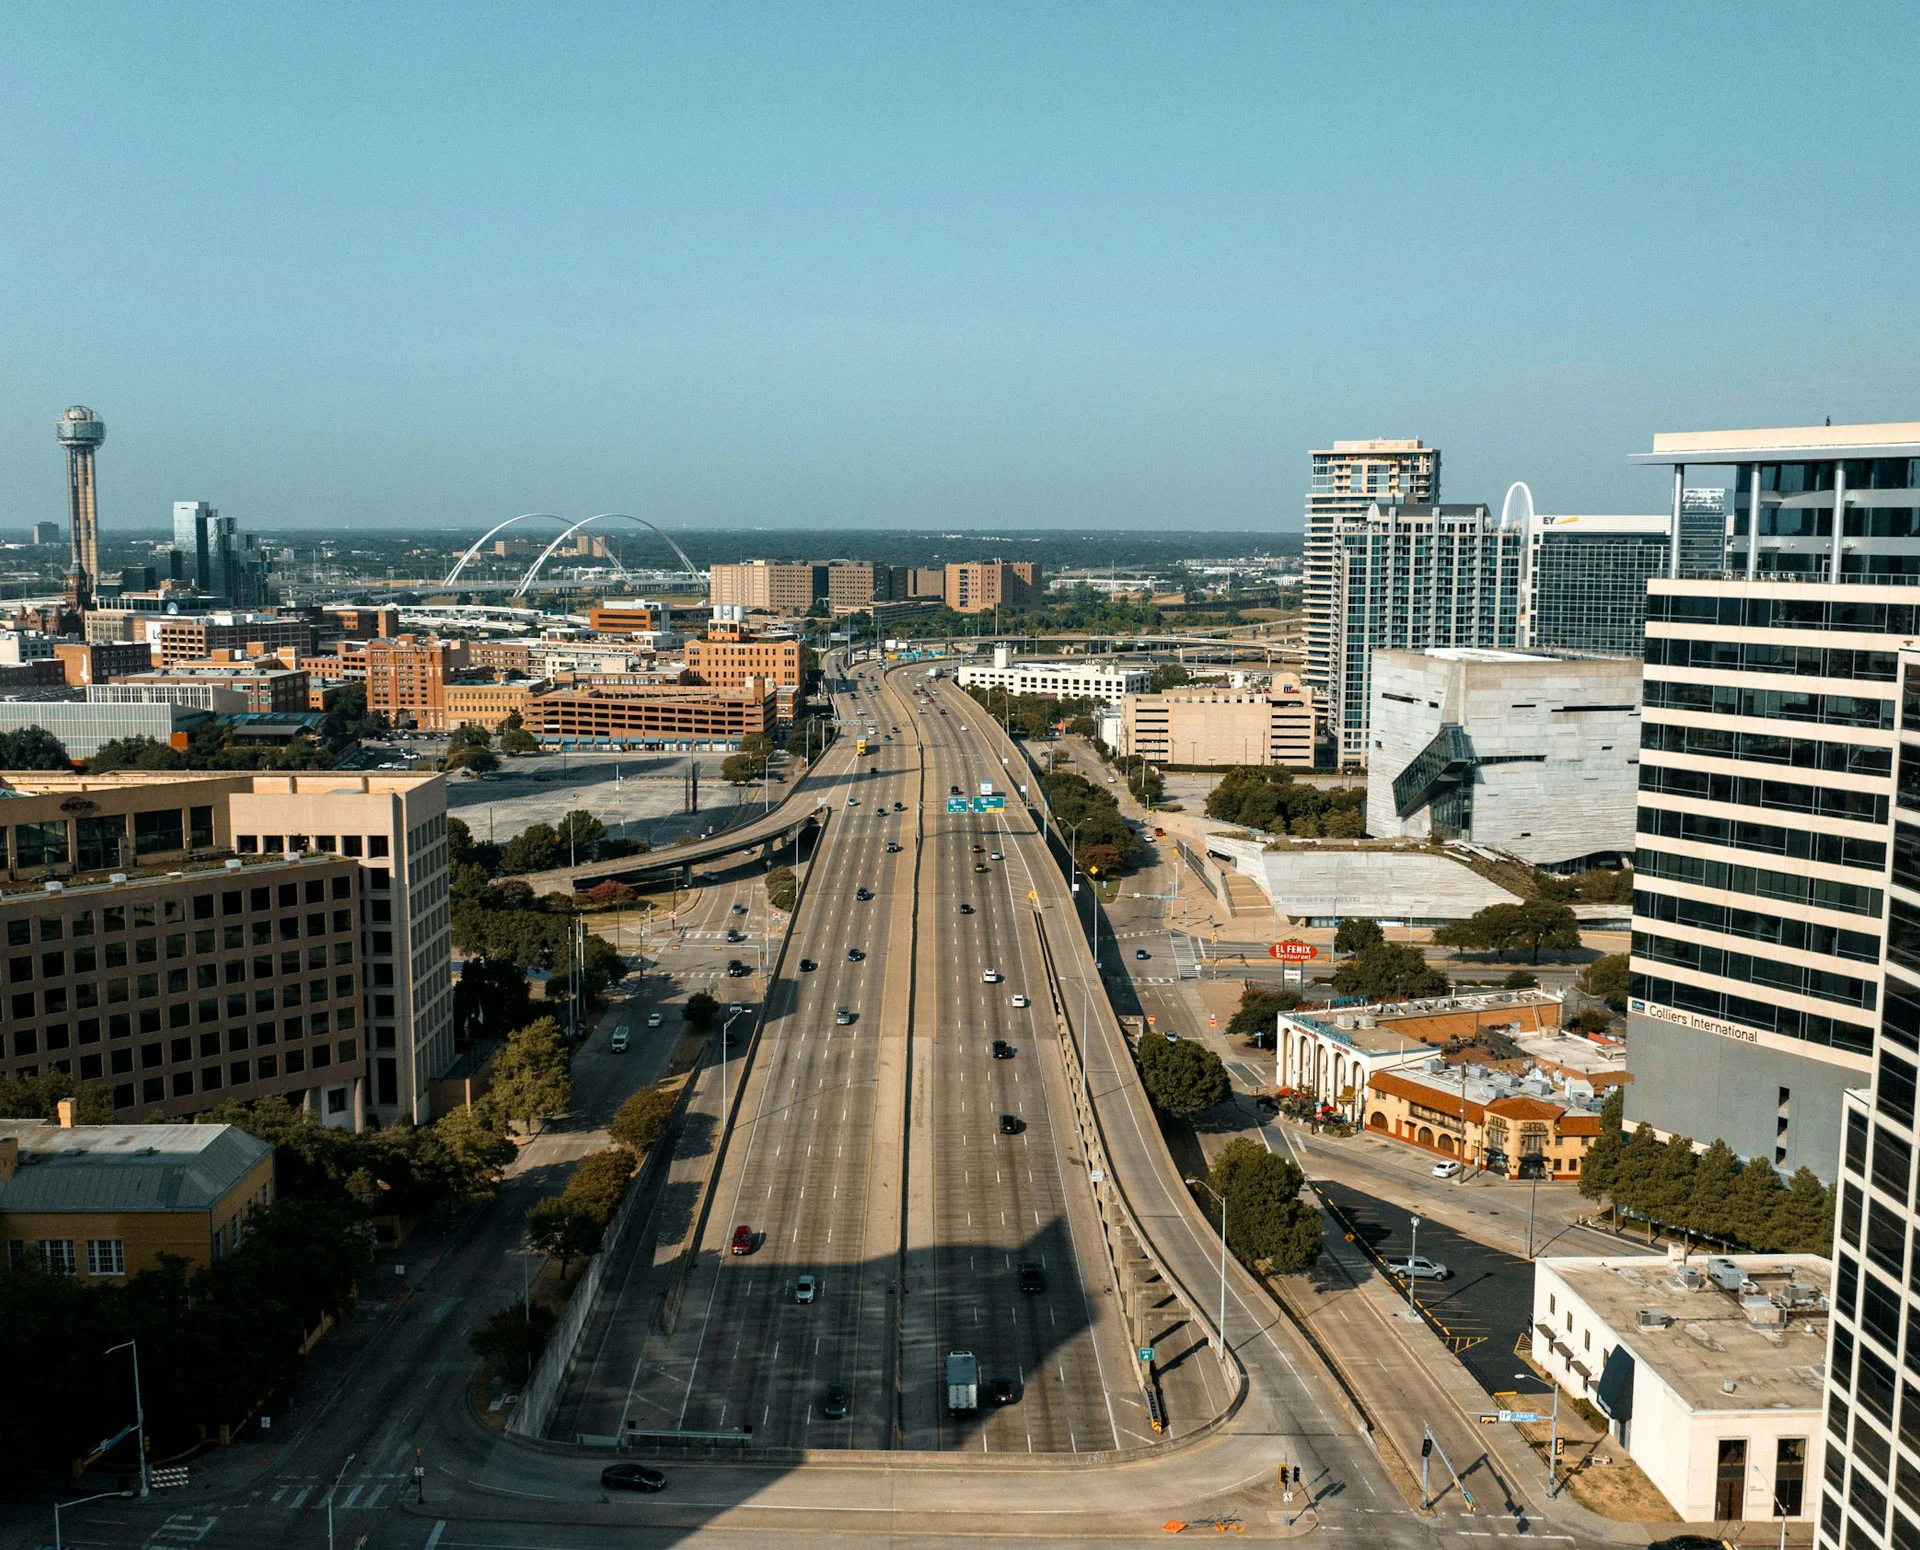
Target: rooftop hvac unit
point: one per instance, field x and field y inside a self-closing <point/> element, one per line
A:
<point x="1762" y="1310"/>
<point x="1725" y="1274"/>
<point x="1654" y="1318"/>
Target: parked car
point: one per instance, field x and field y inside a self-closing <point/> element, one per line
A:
<point x="1419" y="1268"/>
<point x="631" y="1477"/>
<point x="1446" y="1168"/>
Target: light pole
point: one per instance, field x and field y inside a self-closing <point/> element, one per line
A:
<point x="332" y="1490"/>
<point x="1203" y="1184"/>
<point x="725" y="1027"/>
<point x="139" y="1414"/>
<point x="59" y="1507"/>
<point x="1413" y="1253"/>
<point x="1553" y="1444"/>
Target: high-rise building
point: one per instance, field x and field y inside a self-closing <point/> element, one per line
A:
<point x="1412" y="578"/>
<point x="81" y="431"/>
<point x="1871" y="1493"/>
<point x="1766" y="778"/>
<point x="1346" y="480"/>
<point x="978" y="586"/>
<point x="769" y="586"/>
<point x="192" y="553"/>
<point x="1587" y="580"/>
<point x="44" y="533"/>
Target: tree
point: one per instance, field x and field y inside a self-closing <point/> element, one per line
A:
<point x="578" y="833"/>
<point x="1606" y="978"/>
<point x="1101" y="860"/>
<point x="1520" y="979"/>
<point x="530" y="1075"/>
<point x="1389" y="971"/>
<point x="641" y="1121"/>
<point x="1549" y="928"/>
<point x="38" y="1097"/>
<point x="1754" y="1208"/>
<point x="783" y="888"/>
<point x="741" y="769"/>
<point x="134" y="753"/>
<point x="599" y="1181"/>
<point x="467" y="757"/>
<point x="477" y="1149"/>
<point x="511" y="1340"/>
<point x="1266" y="1218"/>
<point x="1600" y="1166"/>
<point x="535" y="848"/>
<point x="1634" y="1184"/>
<point x="563" y="1230"/>
<point x="32" y="748"/>
<point x="1669" y="1191"/>
<point x="1258" y="1011"/>
<point x="470" y="735"/>
<point x="1184" y="1078"/>
<point x="1168" y="675"/>
<point x="517" y="740"/>
<point x="1710" y="1203"/>
<point x="1805" y="1216"/>
<point x="700" y="1010"/>
<point x="1355" y="933"/>
<point x="490" y="997"/>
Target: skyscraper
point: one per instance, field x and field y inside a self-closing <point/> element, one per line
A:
<point x="80" y="431"/>
<point x="1410" y="578"/>
<point x="1767" y="773"/>
<point x="192" y="522"/>
<point x="1346" y="481"/>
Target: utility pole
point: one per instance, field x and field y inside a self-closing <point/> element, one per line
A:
<point x="139" y="1415"/>
<point x="332" y="1491"/>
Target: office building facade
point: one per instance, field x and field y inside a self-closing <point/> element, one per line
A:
<point x="1414" y="578"/>
<point x="1534" y="755"/>
<point x="1871" y="1489"/>
<point x="1587" y="580"/>
<point x="1212" y="726"/>
<point x="1085" y="679"/>
<point x="1346" y="480"/>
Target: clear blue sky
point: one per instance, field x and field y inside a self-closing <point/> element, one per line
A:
<point x="1052" y="265"/>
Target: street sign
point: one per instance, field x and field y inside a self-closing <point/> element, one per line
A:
<point x="1293" y="951"/>
<point x="1519" y="1415"/>
<point x="992" y="804"/>
<point x="956" y="804"/>
<point x="1146" y="1353"/>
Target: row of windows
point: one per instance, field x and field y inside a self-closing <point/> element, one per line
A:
<point x="28" y="1042"/>
<point x="1778" y="795"/>
<point x="1746" y="656"/>
<point x="1826" y="984"/>
<point x="1788" y="1022"/>
<point x="101" y="842"/>
<point x="1767" y="748"/>
<point x="56" y="1000"/>
<point x="1756" y="925"/>
<point x="1836" y="710"/>
<point x="1764" y="838"/>
<point x="104" y="1256"/>
<point x="52" y="963"/>
<point x="113" y="918"/>
<point x="356" y="846"/>
<point x="1785" y="613"/>
<point x="1786" y="887"/>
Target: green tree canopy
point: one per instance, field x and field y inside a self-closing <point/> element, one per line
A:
<point x="511" y="1341"/>
<point x="32" y="748"/>
<point x="1184" y="1078"/>
<point x="783" y="888"/>
<point x="1355" y="933"/>
<point x="531" y="1075"/>
<point x="1389" y="971"/>
<point x="1266" y="1218"/>
<point x="535" y="848"/>
<point x="564" y="1230"/>
<point x="700" y="1009"/>
<point x="580" y="830"/>
<point x="641" y="1121"/>
<point x="1606" y="978"/>
<point x="1258" y="1011"/>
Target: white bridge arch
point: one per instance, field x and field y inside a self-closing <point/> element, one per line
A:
<point x="533" y="570"/>
<point x="499" y="527"/>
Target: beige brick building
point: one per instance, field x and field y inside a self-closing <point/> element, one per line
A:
<point x="768" y="586"/>
<point x="1214" y="727"/>
<point x="487" y="704"/>
<point x="976" y="586"/>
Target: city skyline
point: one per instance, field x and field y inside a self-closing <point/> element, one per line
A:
<point x="1014" y="271"/>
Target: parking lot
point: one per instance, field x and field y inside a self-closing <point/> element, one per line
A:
<point x="1484" y="1306"/>
<point x="638" y="796"/>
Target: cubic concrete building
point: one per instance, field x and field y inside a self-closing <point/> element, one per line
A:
<point x="1084" y="678"/>
<point x="1346" y="480"/>
<point x="1396" y="882"/>
<point x="1208" y="726"/>
<point x="1767" y="779"/>
<point x="1534" y="755"/>
<point x="1414" y="578"/>
<point x="1708" y="1372"/>
<point x="1872" y="1476"/>
<point x="81" y="432"/>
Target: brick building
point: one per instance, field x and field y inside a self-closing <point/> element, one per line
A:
<point x="98" y="662"/>
<point x="606" y="716"/>
<point x="196" y="637"/>
<point x="405" y="677"/>
<point x="976" y="586"/>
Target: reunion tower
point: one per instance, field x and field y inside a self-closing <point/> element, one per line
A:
<point x="81" y="431"/>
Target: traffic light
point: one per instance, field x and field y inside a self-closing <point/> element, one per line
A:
<point x="1296" y="1474"/>
<point x="1426" y="1447"/>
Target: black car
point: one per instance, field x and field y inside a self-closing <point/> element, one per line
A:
<point x="863" y="894"/>
<point x="855" y="955"/>
<point x="966" y="909"/>
<point x="899" y="807"/>
<point x="631" y="1477"/>
<point x="837" y="1402"/>
<point x="953" y="791"/>
<point x="1141" y="955"/>
<point x="1002" y="1050"/>
<point x="1003" y="1391"/>
<point x="1689" y="1542"/>
<point x="893" y="847"/>
<point x="1010" y="1125"/>
<point x="1032" y="1279"/>
<point x="807" y="966"/>
<point x="735" y="936"/>
<point x="736" y="969"/>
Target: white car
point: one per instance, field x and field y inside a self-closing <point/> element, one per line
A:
<point x="990" y="976"/>
<point x="1446" y="1168"/>
<point x="1020" y="1000"/>
<point x="996" y="856"/>
<point x="653" y="1019"/>
<point x="618" y="1043"/>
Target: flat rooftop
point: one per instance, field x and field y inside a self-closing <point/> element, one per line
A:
<point x="1573" y="1053"/>
<point x="124" y="1167"/>
<point x="1813" y="443"/>
<point x="1711" y="1341"/>
<point x="1484" y="654"/>
<point x="1414" y="1025"/>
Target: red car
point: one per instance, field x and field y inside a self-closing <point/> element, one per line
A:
<point x="742" y="1240"/>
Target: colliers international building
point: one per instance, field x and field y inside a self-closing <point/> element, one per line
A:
<point x="1767" y="783"/>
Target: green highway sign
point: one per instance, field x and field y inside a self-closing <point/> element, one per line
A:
<point x="956" y="804"/>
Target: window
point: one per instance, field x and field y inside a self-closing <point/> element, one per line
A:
<point x="157" y="832"/>
<point x="56" y="1256"/>
<point x="106" y="1257"/>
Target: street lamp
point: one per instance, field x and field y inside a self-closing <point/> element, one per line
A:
<point x="1553" y="1447"/>
<point x="332" y="1491"/>
<point x="724" y="1027"/>
<point x="1203" y="1184"/>
<point x="139" y="1414"/>
<point x="59" y="1507"/>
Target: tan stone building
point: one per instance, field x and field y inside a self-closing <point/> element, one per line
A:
<point x="487" y="704"/>
<point x="1207" y="726"/>
<point x="976" y="586"/>
<point x="768" y="586"/>
<point x="606" y="716"/>
<point x="1484" y="1122"/>
<point x="104" y="1202"/>
<point x="232" y="935"/>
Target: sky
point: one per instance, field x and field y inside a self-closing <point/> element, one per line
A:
<point x="1095" y="266"/>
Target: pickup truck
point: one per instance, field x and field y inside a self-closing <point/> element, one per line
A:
<point x="963" y="1383"/>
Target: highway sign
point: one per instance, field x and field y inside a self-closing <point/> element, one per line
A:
<point x="1293" y="951"/>
<point x="1146" y="1353"/>
<point x="992" y="804"/>
<point x="956" y="804"/>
